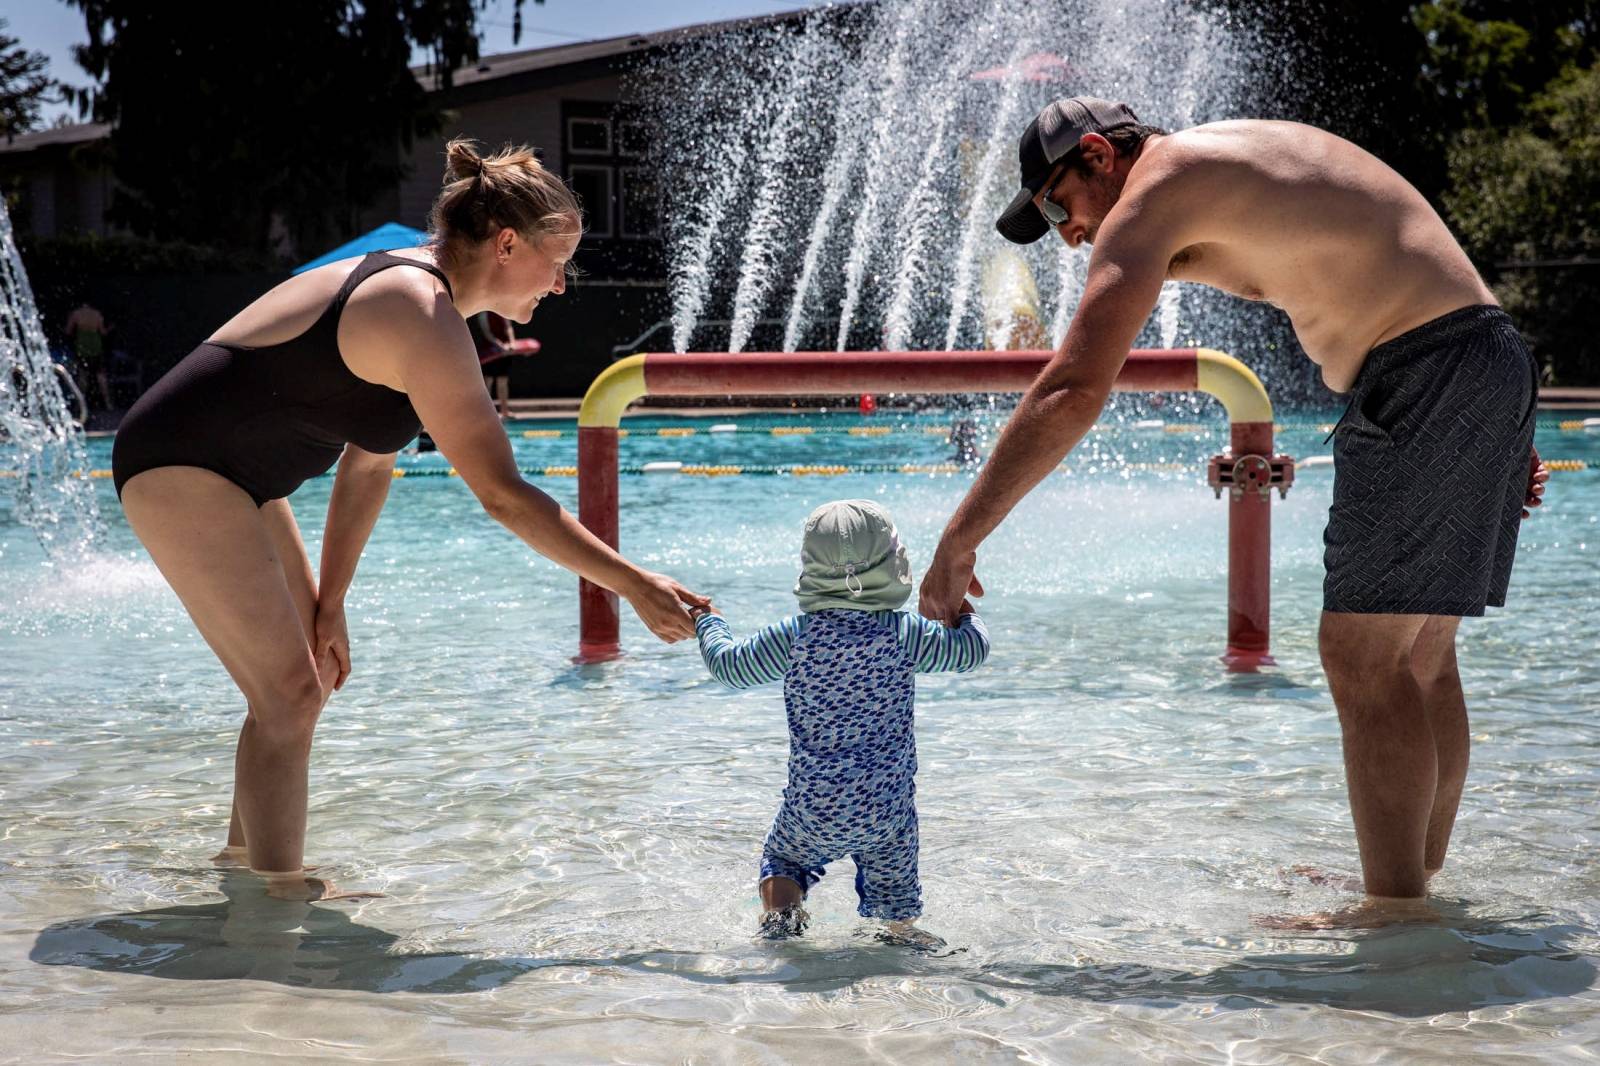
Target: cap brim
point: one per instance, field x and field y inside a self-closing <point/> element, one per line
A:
<point x="1020" y="222"/>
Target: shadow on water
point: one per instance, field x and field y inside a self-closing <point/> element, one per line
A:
<point x="1269" y="682"/>
<point x="1411" y="971"/>
<point x="252" y="937"/>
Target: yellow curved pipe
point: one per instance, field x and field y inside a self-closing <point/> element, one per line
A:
<point x="1235" y="384"/>
<point x="1216" y="373"/>
<point x="618" y="385"/>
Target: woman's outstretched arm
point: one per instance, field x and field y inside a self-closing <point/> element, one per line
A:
<point x="431" y="351"/>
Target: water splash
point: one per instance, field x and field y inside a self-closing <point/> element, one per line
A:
<point x="842" y="172"/>
<point x="980" y="215"/>
<point x="1169" y="306"/>
<point x="762" y="244"/>
<point x="881" y="155"/>
<point x="43" y="458"/>
<point x="916" y="221"/>
<point x="840" y="164"/>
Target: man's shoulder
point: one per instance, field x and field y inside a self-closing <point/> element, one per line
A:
<point x="1210" y="160"/>
<point x="1198" y="148"/>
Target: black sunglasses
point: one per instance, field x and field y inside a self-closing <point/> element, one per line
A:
<point x="1053" y="213"/>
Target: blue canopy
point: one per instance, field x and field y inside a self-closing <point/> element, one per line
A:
<point x="388" y="236"/>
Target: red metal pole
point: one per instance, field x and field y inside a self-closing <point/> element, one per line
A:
<point x="1249" y="559"/>
<point x="599" y="633"/>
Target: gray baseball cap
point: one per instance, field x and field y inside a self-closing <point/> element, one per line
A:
<point x="1053" y="133"/>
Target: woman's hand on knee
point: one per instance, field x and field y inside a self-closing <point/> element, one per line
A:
<point x="331" y="646"/>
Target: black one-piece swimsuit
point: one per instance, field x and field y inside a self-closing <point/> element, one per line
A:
<point x="268" y="418"/>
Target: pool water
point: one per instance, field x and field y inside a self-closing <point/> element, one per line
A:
<point x="568" y="853"/>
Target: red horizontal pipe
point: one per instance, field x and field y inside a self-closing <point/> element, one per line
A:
<point x="794" y="373"/>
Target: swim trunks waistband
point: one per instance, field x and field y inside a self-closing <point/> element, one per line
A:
<point x="1450" y="328"/>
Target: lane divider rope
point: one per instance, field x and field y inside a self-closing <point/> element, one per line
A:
<point x="1141" y="425"/>
<point x="811" y="469"/>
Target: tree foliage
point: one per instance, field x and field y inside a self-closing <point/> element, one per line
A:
<point x="23" y="85"/>
<point x="1532" y="191"/>
<point x="1527" y="196"/>
<point x="284" y="123"/>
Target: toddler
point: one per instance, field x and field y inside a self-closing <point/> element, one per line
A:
<point x="846" y="663"/>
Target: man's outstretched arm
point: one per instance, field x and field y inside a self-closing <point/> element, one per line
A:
<point x="1125" y="276"/>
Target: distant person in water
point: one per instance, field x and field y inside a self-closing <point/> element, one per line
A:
<point x="1434" y="458"/>
<point x="847" y="662"/>
<point x="86" y="329"/>
<point x="964" y="439"/>
<point x="344" y="364"/>
<point x="490" y="334"/>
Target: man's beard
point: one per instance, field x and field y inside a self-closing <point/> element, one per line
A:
<point x="1104" y="190"/>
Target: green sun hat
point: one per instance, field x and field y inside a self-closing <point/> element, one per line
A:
<point x="851" y="559"/>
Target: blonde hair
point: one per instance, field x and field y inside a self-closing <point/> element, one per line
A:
<point x="508" y="189"/>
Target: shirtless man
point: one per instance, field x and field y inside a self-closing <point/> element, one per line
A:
<point x="1434" y="458"/>
<point x="87" y="329"/>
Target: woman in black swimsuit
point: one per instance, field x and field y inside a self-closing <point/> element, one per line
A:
<point x="344" y="364"/>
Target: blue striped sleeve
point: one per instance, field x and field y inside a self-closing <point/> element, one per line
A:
<point x="935" y="648"/>
<point x="756" y="660"/>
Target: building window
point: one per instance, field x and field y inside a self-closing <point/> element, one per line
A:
<point x="589" y="136"/>
<point x="631" y="138"/>
<point x="593" y="186"/>
<point x="641" y="212"/>
<point x="606" y="160"/>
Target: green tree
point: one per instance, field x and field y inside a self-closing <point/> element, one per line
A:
<point x="1527" y="197"/>
<point x="23" y="85"/>
<point x="296" y="114"/>
<point x="1484" y="60"/>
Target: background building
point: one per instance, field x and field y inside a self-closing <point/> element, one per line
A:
<point x="568" y="101"/>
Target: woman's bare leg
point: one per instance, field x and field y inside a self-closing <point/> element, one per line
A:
<point x="220" y="555"/>
<point x="302" y="584"/>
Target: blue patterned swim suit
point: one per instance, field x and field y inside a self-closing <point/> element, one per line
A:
<point x="849" y="695"/>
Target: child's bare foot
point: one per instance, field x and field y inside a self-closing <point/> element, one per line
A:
<point x="1374" y="912"/>
<point x="784" y="924"/>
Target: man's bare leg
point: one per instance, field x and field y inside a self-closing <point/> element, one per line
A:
<point x="1390" y="758"/>
<point x="1433" y="664"/>
<point x="1391" y="764"/>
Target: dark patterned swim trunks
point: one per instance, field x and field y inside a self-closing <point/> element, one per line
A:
<point x="1431" y="467"/>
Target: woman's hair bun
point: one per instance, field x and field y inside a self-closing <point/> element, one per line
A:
<point x="508" y="188"/>
<point x="462" y="159"/>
